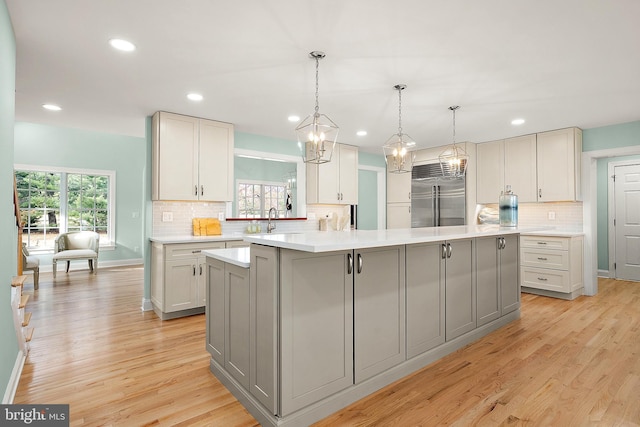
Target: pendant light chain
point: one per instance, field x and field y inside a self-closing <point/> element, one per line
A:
<point x="317" y="86"/>
<point x="400" y="111"/>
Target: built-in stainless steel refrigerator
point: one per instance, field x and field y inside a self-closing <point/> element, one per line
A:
<point x="436" y="200"/>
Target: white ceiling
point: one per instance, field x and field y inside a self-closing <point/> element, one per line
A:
<point x="555" y="63"/>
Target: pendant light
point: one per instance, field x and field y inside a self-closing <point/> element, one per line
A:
<point x="397" y="148"/>
<point x="317" y="133"/>
<point x="453" y="160"/>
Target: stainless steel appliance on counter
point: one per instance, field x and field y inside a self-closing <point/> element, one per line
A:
<point x="436" y="200"/>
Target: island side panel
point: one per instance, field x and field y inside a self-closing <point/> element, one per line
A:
<point x="264" y="276"/>
<point x="316" y="329"/>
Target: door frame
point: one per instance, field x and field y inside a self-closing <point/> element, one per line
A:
<point x="590" y="210"/>
<point x="612" y="209"/>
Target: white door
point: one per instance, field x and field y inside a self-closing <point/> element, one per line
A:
<point x="627" y="222"/>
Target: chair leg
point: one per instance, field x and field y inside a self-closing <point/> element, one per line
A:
<point x="68" y="264"/>
<point x="90" y="265"/>
<point x="36" y="278"/>
<point x="55" y="268"/>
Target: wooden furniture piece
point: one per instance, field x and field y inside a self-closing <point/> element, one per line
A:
<point x="76" y="245"/>
<point x="31" y="263"/>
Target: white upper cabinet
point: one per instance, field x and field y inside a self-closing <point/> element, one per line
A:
<point x="543" y="167"/>
<point x="559" y="155"/>
<point x="520" y="167"/>
<point x="335" y="182"/>
<point x="399" y="185"/>
<point x="490" y="171"/>
<point x="192" y="158"/>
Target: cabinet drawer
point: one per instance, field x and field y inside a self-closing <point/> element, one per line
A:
<point x="545" y="242"/>
<point x="551" y="280"/>
<point x="189" y="250"/>
<point x="541" y="258"/>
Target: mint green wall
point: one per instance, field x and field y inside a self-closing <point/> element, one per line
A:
<point x="248" y="141"/>
<point x="602" y="138"/>
<point x="367" y="199"/>
<point x="8" y="260"/>
<point x="613" y="136"/>
<point x="44" y="145"/>
<point x="370" y="159"/>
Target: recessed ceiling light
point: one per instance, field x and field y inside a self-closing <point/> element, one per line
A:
<point x="294" y="118"/>
<point x="195" y="97"/>
<point x="52" y="107"/>
<point x="517" y="122"/>
<point x="361" y="133"/>
<point x="123" y="45"/>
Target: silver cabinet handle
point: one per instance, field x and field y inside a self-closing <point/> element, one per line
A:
<point x="409" y="195"/>
<point x="338" y="196"/>
<point x="201" y="269"/>
<point x="202" y="190"/>
<point x="196" y="190"/>
<point x="194" y="269"/>
<point x="542" y="243"/>
<point x="444" y="251"/>
<point x="540" y="193"/>
<point x="504" y="243"/>
<point x="500" y="243"/>
<point x="196" y="251"/>
<point x="542" y="258"/>
<point x="449" y="250"/>
<point x="542" y="279"/>
<point x="359" y="263"/>
<point x="349" y="263"/>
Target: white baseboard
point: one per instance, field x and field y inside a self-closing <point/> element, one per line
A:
<point x="83" y="265"/>
<point x="146" y="304"/>
<point x="12" y="386"/>
<point x="603" y="273"/>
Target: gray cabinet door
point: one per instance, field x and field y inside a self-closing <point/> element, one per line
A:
<point x="316" y="327"/>
<point x="215" y="314"/>
<point x="460" y="289"/>
<point x="264" y="330"/>
<point x="509" y="274"/>
<point x="379" y="310"/>
<point x="487" y="279"/>
<point x="425" y="298"/>
<point x="237" y="321"/>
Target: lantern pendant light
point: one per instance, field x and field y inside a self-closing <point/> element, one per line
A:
<point x="317" y="134"/>
<point x="453" y="160"/>
<point x="397" y="148"/>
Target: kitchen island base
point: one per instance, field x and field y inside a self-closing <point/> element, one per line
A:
<point x="331" y="404"/>
<point x="545" y="293"/>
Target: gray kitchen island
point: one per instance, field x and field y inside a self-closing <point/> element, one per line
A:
<point x="302" y="325"/>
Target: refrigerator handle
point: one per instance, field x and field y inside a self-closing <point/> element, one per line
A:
<point x="436" y="214"/>
<point x="434" y="196"/>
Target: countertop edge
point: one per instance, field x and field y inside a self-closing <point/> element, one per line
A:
<point x="235" y="256"/>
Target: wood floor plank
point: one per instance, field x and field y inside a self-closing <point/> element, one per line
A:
<point x="569" y="363"/>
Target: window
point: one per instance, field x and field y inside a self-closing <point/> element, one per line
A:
<point x="54" y="201"/>
<point x="255" y="198"/>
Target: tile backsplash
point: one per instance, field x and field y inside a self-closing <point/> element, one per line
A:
<point x="563" y="215"/>
<point x="182" y="214"/>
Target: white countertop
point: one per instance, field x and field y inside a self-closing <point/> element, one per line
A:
<point x="196" y="239"/>
<point x="235" y="256"/>
<point x="327" y="241"/>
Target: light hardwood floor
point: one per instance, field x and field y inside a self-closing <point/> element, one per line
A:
<point x="563" y="363"/>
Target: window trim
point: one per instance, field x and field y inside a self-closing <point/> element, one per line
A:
<point x="111" y="234"/>
<point x="263" y="214"/>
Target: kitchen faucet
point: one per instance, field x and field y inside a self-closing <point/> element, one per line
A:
<point x="271" y="226"/>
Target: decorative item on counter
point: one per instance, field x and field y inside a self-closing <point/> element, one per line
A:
<point x="508" y="206"/>
<point x="254" y="227"/>
<point x="324" y="222"/>
<point x="488" y="215"/>
<point x="206" y="227"/>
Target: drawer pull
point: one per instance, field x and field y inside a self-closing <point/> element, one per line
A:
<point x="542" y="243"/>
<point x="196" y="252"/>
<point x="542" y="258"/>
<point x="542" y="279"/>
